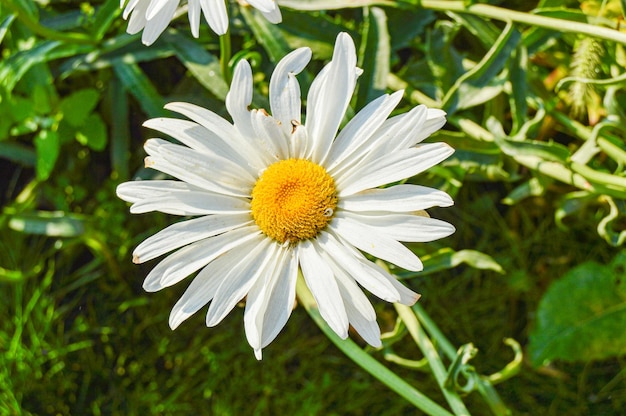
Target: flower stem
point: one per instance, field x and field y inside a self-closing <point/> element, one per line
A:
<point x="366" y="361"/>
<point x="428" y="349"/>
<point x="499" y="13"/>
<point x="225" y="55"/>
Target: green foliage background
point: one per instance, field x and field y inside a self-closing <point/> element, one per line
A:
<point x="536" y="113"/>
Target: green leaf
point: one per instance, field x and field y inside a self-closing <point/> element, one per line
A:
<point x="93" y="134"/>
<point x="4" y="26"/>
<point x="51" y="224"/>
<point x="14" y="68"/>
<point x="545" y="150"/>
<point x="334" y="4"/>
<point x="481" y="83"/>
<point x="374" y="57"/>
<point x="77" y="106"/>
<point x="316" y="31"/>
<point x="447" y="258"/>
<point x="202" y="65"/>
<point x="267" y="34"/>
<point x="117" y="104"/>
<point x="582" y="315"/>
<point x="48" y="146"/>
<point x="138" y="84"/>
<point x="446" y="64"/>
<point x="105" y="16"/>
<point x="18" y="153"/>
<point x="405" y="25"/>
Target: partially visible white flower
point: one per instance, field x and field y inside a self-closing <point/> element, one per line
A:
<point x="153" y="16"/>
<point x="273" y="195"/>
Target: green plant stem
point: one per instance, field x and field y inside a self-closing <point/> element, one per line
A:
<point x="43" y="31"/>
<point x="225" y="55"/>
<point x="428" y="349"/>
<point x="434" y="331"/>
<point x="366" y="361"/>
<point x="499" y="13"/>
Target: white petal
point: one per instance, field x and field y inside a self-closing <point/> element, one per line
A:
<point x="391" y="168"/>
<point x="198" y="138"/>
<point x="157" y="24"/>
<point x="285" y="89"/>
<point x="206" y="118"/>
<point x="263" y="5"/>
<point x="435" y="120"/>
<point x="404" y="227"/>
<point x="192" y="203"/>
<point x="358" y="267"/>
<point x="156" y="6"/>
<point x="359" y="309"/>
<point x="399" y="198"/>
<point x="371" y="241"/>
<point x="367" y="329"/>
<point x="273" y="16"/>
<point x="240" y="279"/>
<point x="407" y="130"/>
<point x="381" y="276"/>
<point x="407" y="296"/>
<point x="270" y="301"/>
<point x="282" y="299"/>
<point x="134" y="191"/>
<point x="239" y="98"/>
<point x="269" y="135"/>
<point x="189" y="259"/>
<point x="385" y="141"/>
<point x="354" y="136"/>
<point x="299" y="142"/>
<point x="321" y="281"/>
<point x="203" y="287"/>
<point x="350" y="291"/>
<point x="220" y="127"/>
<point x="424" y="126"/>
<point x="216" y="15"/>
<point x="193" y="12"/>
<point x="209" y="172"/>
<point x="186" y="232"/>
<point x="329" y="96"/>
<point x="131" y="5"/>
<point x="137" y="19"/>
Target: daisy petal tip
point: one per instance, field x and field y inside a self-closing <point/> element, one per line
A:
<point x="412" y="300"/>
<point x="150" y="287"/>
<point x="449" y="149"/>
<point x="258" y="354"/>
<point x="136" y="259"/>
<point x="148" y="162"/>
<point x="377" y="343"/>
<point x="174" y="322"/>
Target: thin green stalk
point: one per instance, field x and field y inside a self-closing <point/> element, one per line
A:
<point x="434" y="331"/>
<point x="499" y="13"/>
<point x="428" y="349"/>
<point x="225" y="55"/>
<point x="366" y="361"/>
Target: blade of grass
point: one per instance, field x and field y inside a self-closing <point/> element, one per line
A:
<point x="139" y="85"/>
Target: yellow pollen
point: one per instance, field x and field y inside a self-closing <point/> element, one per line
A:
<point x="293" y="200"/>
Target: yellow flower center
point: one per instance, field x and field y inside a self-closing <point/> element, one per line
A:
<point x="293" y="200"/>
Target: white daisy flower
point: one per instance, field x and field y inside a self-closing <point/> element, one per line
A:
<point x="273" y="195"/>
<point x="153" y="16"/>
